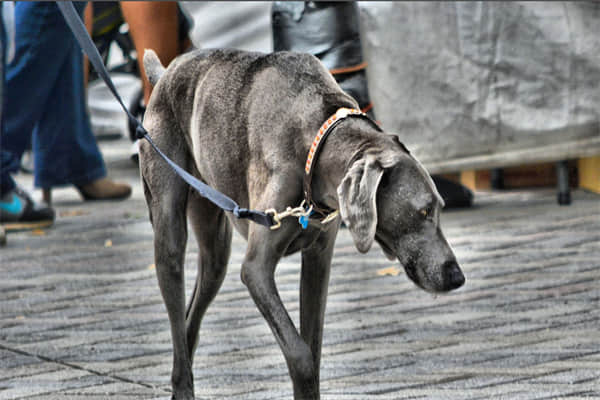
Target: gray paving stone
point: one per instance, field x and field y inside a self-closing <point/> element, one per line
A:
<point x="83" y="320"/>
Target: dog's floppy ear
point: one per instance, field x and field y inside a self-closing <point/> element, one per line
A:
<point x="357" y="194"/>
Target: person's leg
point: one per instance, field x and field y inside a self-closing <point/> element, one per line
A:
<point x="44" y="93"/>
<point x="17" y="209"/>
<point x="64" y="147"/>
<point x="29" y="77"/>
<point x="6" y="182"/>
<point x="3" y="176"/>
<point x="153" y="25"/>
<point x="45" y="88"/>
<point x="7" y="163"/>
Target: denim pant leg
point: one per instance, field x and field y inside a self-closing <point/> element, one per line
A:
<point x="6" y="182"/>
<point x="28" y="80"/>
<point x="64" y="147"/>
<point x="44" y="95"/>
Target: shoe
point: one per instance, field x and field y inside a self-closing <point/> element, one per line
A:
<point x="19" y="212"/>
<point x="104" y="189"/>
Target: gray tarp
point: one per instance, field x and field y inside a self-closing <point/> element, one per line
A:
<point x="482" y="84"/>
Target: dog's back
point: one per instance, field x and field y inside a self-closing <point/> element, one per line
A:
<point x="224" y="79"/>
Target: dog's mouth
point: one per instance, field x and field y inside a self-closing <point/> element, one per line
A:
<point x="387" y="250"/>
<point x="411" y="271"/>
<point x="410" y="266"/>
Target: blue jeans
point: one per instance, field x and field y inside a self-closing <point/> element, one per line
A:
<point x="44" y="102"/>
<point x="6" y="182"/>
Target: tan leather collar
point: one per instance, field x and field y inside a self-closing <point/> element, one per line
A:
<point x="315" y="148"/>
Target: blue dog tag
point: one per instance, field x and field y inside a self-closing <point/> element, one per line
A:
<point x="303" y="220"/>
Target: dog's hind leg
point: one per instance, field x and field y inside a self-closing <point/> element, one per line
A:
<point x="166" y="195"/>
<point x="316" y="263"/>
<point x="213" y="233"/>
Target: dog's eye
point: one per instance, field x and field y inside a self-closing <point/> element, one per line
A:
<point x="426" y="212"/>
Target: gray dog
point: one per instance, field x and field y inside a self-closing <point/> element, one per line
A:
<point x="244" y="123"/>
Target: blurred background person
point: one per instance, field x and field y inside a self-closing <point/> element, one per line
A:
<point x="44" y="103"/>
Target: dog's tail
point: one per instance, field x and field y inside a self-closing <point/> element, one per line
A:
<point x="153" y="67"/>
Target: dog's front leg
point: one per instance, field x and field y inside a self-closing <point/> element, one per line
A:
<point x="265" y="249"/>
<point x="316" y="263"/>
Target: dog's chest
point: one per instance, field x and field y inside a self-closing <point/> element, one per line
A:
<point x="306" y="238"/>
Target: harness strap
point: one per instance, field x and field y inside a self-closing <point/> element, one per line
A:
<point x="219" y="199"/>
<point x="315" y="149"/>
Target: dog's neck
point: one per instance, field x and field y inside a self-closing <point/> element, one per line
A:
<point x="346" y="143"/>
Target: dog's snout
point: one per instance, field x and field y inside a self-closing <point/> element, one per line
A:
<point x="454" y="278"/>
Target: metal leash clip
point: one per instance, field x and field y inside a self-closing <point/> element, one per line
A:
<point x="299" y="212"/>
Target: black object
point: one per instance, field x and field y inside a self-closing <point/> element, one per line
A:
<point x="454" y="194"/>
<point x="137" y="108"/>
<point x="330" y="31"/>
<point x="497" y="178"/>
<point x="562" y="180"/>
<point x="107" y="29"/>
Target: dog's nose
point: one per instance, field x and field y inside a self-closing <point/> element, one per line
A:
<point x="454" y="277"/>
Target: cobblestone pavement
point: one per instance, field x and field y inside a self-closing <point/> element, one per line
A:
<point x="81" y="316"/>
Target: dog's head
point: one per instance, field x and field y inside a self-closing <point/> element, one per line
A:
<point x="386" y="195"/>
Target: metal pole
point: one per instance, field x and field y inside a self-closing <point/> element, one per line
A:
<point x="562" y="177"/>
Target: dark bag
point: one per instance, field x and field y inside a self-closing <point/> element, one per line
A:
<point x="329" y="31"/>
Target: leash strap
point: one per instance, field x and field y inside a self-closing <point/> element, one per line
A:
<point x="219" y="199"/>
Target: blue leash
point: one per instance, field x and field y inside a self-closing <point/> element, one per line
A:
<point x="219" y="199"/>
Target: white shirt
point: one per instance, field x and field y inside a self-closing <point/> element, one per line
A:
<point x="8" y="15"/>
